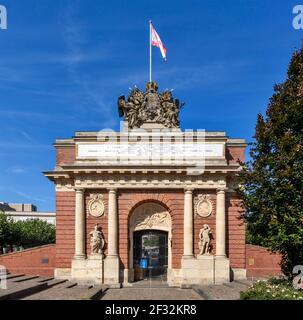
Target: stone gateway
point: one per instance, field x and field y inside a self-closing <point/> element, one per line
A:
<point x="149" y="201"/>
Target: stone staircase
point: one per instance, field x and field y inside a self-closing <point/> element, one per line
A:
<point x="21" y="287"/>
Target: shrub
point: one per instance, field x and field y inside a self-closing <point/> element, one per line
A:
<point x="272" y="289"/>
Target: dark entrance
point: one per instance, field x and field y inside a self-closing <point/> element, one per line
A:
<point x="150" y="254"/>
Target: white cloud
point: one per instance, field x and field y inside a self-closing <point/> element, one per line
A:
<point x="17" y="170"/>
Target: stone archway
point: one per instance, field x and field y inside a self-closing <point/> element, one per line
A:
<point x="149" y="216"/>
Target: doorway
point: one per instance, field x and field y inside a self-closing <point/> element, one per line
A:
<point x="150" y="255"/>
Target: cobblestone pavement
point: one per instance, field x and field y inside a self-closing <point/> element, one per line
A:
<point x="151" y="294"/>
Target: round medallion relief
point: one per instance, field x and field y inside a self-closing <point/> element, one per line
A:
<point x="204" y="206"/>
<point x="95" y="206"/>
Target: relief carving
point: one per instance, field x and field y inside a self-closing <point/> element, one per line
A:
<point x="204" y="206"/>
<point x="95" y="206"/>
<point x="150" y="215"/>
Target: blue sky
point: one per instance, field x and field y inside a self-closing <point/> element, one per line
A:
<point x="64" y="63"/>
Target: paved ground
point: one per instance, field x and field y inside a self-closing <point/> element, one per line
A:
<point x="43" y="288"/>
<point x="227" y="291"/>
<point x="151" y="294"/>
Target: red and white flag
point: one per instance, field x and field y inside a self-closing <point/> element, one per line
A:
<point x="156" y="41"/>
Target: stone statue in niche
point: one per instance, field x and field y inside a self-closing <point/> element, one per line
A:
<point x="97" y="241"/>
<point x="205" y="239"/>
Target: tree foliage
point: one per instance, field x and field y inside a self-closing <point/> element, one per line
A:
<point x="28" y="233"/>
<point x="35" y="232"/>
<point x="272" y="181"/>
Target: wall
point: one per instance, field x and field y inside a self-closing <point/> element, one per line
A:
<point x="65" y="228"/>
<point x="34" y="261"/>
<point x="235" y="239"/>
<point x="127" y="201"/>
<point x="65" y="155"/>
<point x="260" y="262"/>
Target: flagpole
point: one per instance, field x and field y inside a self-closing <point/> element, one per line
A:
<point x="150" y="51"/>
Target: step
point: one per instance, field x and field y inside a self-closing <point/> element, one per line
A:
<point x="21" y="290"/>
<point x="25" y="278"/>
<point x="236" y="285"/>
<point x="218" y="292"/>
<point x="96" y="292"/>
<point x="11" y="276"/>
<point x="55" y="282"/>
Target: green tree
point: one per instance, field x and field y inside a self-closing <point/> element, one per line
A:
<point x="35" y="232"/>
<point x="272" y="181"/>
<point x="4" y="230"/>
<point x="28" y="233"/>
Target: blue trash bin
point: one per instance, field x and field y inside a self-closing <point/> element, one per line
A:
<point x="143" y="263"/>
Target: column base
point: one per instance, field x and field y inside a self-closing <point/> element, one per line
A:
<point x="79" y="257"/>
<point x="198" y="270"/>
<point x="222" y="270"/>
<point x="88" y="271"/>
<point x="188" y="256"/>
<point x="112" y="270"/>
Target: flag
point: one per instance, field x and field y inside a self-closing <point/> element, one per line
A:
<point x="156" y="41"/>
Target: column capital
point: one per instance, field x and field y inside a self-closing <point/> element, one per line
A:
<point x="188" y="190"/>
<point x="112" y="190"/>
<point x="221" y="190"/>
<point x="79" y="190"/>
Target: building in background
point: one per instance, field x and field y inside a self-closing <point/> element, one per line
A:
<point x="25" y="211"/>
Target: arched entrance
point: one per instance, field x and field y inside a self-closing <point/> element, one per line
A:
<point x="150" y="242"/>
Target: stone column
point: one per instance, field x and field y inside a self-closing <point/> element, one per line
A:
<point x="79" y="225"/>
<point x="188" y="224"/>
<point x="220" y="224"/>
<point x="222" y="266"/>
<point x="112" y="223"/>
<point x="112" y="261"/>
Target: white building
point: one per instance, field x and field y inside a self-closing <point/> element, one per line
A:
<point x="24" y="211"/>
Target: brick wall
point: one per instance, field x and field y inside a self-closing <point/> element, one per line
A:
<point x="34" y="261"/>
<point x="235" y="240"/>
<point x="260" y="262"/>
<point x="233" y="154"/>
<point x="65" y="155"/>
<point x="65" y="228"/>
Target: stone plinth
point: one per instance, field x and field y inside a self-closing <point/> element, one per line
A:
<point x="111" y="270"/>
<point x="200" y="270"/>
<point x="90" y="270"/>
<point x="222" y="270"/>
